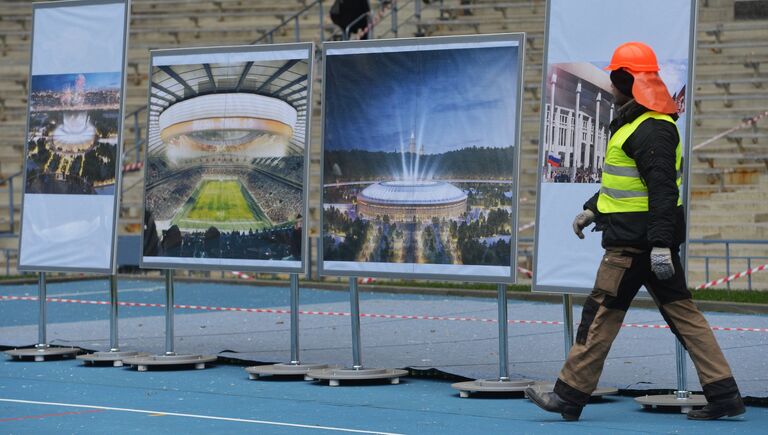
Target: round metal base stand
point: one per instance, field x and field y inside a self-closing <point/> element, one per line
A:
<point x="599" y="391"/>
<point x="667" y="401"/>
<point x="335" y="375"/>
<point x="498" y="386"/>
<point x="116" y="358"/>
<point x="283" y="369"/>
<point x="143" y="363"/>
<point x="38" y="354"/>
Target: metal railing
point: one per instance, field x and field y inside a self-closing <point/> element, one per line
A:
<point x="386" y="9"/>
<point x="727" y="245"/>
<point x="138" y="138"/>
<point x="8" y="183"/>
<point x="269" y="36"/>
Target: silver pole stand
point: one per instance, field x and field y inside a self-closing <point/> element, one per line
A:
<point x="503" y="384"/>
<point x="357" y="372"/>
<point x="568" y="323"/>
<point x="681" y="398"/>
<point x="170" y="358"/>
<point x="169" y="336"/>
<point x="114" y="355"/>
<point x="42" y="349"/>
<point x="294" y="367"/>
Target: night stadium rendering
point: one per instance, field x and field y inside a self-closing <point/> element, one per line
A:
<point x="410" y="182"/>
<point x="411" y="197"/>
<point x="73" y="132"/>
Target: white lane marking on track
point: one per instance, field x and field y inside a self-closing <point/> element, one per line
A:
<point x="206" y="417"/>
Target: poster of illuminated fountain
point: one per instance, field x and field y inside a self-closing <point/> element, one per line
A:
<point x="419" y="158"/>
<point x="73" y="132"/>
<point x="225" y="170"/>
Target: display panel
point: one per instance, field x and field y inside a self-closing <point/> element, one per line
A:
<point x="73" y="136"/>
<point x="420" y="155"/>
<point x="577" y="108"/>
<point x="225" y="183"/>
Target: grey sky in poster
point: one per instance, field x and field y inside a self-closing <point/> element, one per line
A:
<point x="374" y="101"/>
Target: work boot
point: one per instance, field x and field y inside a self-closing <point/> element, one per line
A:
<point x="729" y="406"/>
<point x="553" y="403"/>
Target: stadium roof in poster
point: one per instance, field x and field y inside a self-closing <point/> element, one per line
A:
<point x="285" y="80"/>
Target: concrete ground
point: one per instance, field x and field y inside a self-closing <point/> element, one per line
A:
<point x="457" y="335"/>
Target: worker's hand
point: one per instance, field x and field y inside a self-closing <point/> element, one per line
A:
<point x="582" y="220"/>
<point x="661" y="263"/>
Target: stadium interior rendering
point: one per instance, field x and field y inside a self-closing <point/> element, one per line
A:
<point x="226" y="160"/>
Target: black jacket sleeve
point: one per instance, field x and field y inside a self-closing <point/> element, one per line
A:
<point x="591" y="203"/>
<point x="653" y="149"/>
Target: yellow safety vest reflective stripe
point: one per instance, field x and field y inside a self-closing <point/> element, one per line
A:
<point x="622" y="190"/>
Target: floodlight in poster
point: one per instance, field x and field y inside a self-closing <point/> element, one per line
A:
<point x="73" y="136"/>
<point x="225" y="178"/>
<point x="577" y="108"/>
<point x="420" y="155"/>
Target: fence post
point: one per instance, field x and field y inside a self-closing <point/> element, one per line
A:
<point x="297" y="32"/>
<point x="137" y="132"/>
<point x="749" y="277"/>
<point x="394" y="17"/>
<point x="728" y="262"/>
<point x="322" y="30"/>
<point x="706" y="268"/>
<point x="10" y="204"/>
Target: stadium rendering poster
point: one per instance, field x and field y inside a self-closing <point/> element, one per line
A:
<point x="577" y="108"/>
<point x="420" y="155"/>
<point x="73" y="136"/>
<point x="225" y="178"/>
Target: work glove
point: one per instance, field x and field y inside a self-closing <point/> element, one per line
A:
<point x="661" y="263"/>
<point x="582" y="220"/>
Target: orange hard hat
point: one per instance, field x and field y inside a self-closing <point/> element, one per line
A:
<point x="648" y="89"/>
<point x="635" y="56"/>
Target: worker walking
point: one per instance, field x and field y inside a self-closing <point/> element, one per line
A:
<point x="639" y="211"/>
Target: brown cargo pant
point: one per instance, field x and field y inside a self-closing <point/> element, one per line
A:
<point x="621" y="273"/>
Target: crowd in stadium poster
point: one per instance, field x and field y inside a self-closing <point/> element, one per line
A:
<point x="225" y="171"/>
<point x="578" y="111"/>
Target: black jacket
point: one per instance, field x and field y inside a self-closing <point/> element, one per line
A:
<point x="652" y="146"/>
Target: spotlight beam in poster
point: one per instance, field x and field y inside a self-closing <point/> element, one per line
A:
<point x="74" y="136"/>
<point x="227" y="162"/>
<point x="420" y="157"/>
<point x="576" y="109"/>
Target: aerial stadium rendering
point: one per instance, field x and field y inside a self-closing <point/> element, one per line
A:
<point x="407" y="176"/>
<point x="73" y="133"/>
<point x="412" y="197"/>
<point x="225" y="170"/>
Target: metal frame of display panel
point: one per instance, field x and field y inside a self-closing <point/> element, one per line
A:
<point x="689" y="91"/>
<point x="430" y="41"/>
<point x="310" y="48"/>
<point x="118" y="152"/>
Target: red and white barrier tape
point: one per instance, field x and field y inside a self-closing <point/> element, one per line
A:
<point x="743" y="124"/>
<point x="524" y="271"/>
<point x="346" y="314"/>
<point x="132" y="167"/>
<point x="530" y="224"/>
<point x="733" y="277"/>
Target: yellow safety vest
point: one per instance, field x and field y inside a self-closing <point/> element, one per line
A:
<point x="622" y="190"/>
